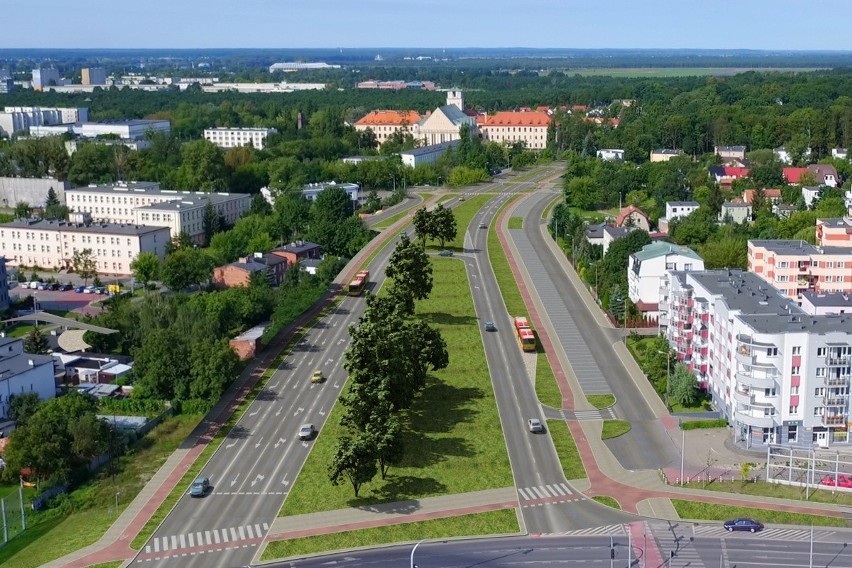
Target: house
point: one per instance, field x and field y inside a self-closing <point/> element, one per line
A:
<point x="783" y="156"/>
<point x="239" y="273"/>
<point x="735" y="212"/>
<point x="595" y="234"/>
<point x="783" y="210"/>
<point x="825" y="174"/>
<point x="792" y="175"/>
<point x="646" y="268"/>
<point x="299" y="250"/>
<point x="96" y="368"/>
<point x="834" y="232"/>
<point x="726" y="175"/>
<point x="810" y="193"/>
<point x="611" y="234"/>
<point x="632" y="216"/>
<point x="730" y="152"/>
<point x="248" y="343"/>
<point x="664" y="155"/>
<point x="771" y="195"/>
<point x="611" y="154"/>
<point x="676" y="210"/>
<point x="840" y="153"/>
<point x="22" y="372"/>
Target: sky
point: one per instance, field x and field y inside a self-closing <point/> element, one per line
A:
<point x="701" y="24"/>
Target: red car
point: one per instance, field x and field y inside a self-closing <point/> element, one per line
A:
<point x="842" y="481"/>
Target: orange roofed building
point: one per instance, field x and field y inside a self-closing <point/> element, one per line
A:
<point x="384" y="123"/>
<point x="510" y="127"/>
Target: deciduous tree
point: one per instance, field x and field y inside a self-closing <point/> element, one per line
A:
<point x="354" y="461"/>
<point x="145" y="268"/>
<point x="85" y="264"/>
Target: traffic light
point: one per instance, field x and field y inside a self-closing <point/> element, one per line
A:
<point x="612" y="553"/>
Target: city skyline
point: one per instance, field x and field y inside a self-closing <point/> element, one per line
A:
<point x="724" y="24"/>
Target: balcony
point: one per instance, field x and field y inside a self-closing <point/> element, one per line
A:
<point x="842" y="381"/>
<point x="835" y="400"/>
<point x="758" y="421"/>
<point x="758" y="382"/>
<point x="749" y="340"/>
<point x="834" y="419"/>
<point x="839" y="361"/>
<point x="743" y="396"/>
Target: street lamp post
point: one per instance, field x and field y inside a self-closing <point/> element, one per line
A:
<point x="413" y="565"/>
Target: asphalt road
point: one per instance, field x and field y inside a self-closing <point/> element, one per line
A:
<point x="589" y="349"/>
<point x="252" y="472"/>
<point x="787" y="548"/>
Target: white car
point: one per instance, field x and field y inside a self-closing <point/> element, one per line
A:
<point x="306" y="431"/>
<point x="535" y="425"/>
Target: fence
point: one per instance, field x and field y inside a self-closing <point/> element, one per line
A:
<point x="14" y="515"/>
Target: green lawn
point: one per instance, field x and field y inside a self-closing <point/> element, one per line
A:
<point x="546" y="388"/>
<point x="516" y="222"/>
<point x="455" y="427"/>
<point x="821" y="495"/>
<point x="504" y="521"/>
<point x="464" y="213"/>
<point x="545" y="214"/>
<point x="608" y="501"/>
<point x="505" y="280"/>
<point x="714" y="512"/>
<point x="566" y="449"/>
<point x="52" y="533"/>
<point x="600" y="401"/>
<point x="614" y="428"/>
<point x="391" y="220"/>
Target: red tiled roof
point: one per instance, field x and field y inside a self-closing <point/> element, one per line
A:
<point x="516" y="119"/>
<point x="748" y="194"/>
<point x="736" y="172"/>
<point x="623" y="214"/>
<point x="792" y="175"/>
<point x="389" y="118"/>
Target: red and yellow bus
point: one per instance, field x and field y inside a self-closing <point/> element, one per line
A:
<point x="359" y="282"/>
<point x="526" y="337"/>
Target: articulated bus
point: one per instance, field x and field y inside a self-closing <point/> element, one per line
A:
<point x="359" y="282"/>
<point x="526" y="337"/>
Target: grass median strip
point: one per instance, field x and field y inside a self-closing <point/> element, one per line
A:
<point x="715" y="512"/>
<point x="451" y="447"/>
<point x="601" y="401"/>
<point x="566" y="449"/>
<point x="87" y="512"/>
<point x="516" y="222"/>
<point x="614" y="429"/>
<point x="504" y="521"/>
<point x="608" y="501"/>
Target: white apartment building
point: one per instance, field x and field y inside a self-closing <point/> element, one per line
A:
<point x="777" y="374"/>
<point x="236" y="137"/>
<point x="93" y="76"/>
<point x="21" y="373"/>
<point x="52" y="244"/>
<point x="124" y="129"/>
<point x="144" y="203"/>
<point x="42" y="78"/>
<point x="20" y="119"/>
<point x="509" y="127"/>
<point x="647" y="267"/>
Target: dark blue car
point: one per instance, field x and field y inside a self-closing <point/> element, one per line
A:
<point x="749" y="525"/>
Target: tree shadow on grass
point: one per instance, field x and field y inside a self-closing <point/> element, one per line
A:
<point x="423" y="451"/>
<point x="440" y="318"/>
<point x="441" y="407"/>
<point x="393" y="497"/>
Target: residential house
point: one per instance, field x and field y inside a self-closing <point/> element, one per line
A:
<point x="783" y="156"/>
<point x="810" y="193"/>
<point x="730" y="152"/>
<point x="273" y="267"/>
<point x="297" y="251"/>
<point x="792" y="175"/>
<point x="835" y="233"/>
<point x="646" y="268"/>
<point x="771" y="195"/>
<point x="21" y="373"/>
<point x="825" y="174"/>
<point x="840" y="153"/>
<point x="735" y="212"/>
<point x="783" y="210"/>
<point x="726" y="175"/>
<point x="611" y="234"/>
<point x="676" y="210"/>
<point x="664" y="154"/>
<point x="795" y="266"/>
<point x="632" y="216"/>
<point x="386" y="123"/>
<point x="611" y="154"/>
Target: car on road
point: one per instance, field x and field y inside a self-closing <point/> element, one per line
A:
<point x="743" y="524"/>
<point x="79" y="289"/>
<point x="445" y="252"/>
<point x="89" y="290"/>
<point x="199" y="487"/>
<point x="461" y="197"/>
<point x="306" y="431"/>
<point x="483" y="226"/>
<point x="317" y="376"/>
<point x="489" y="326"/>
<point x="535" y="425"/>
<point x="842" y="481"/>
<point x="65" y="287"/>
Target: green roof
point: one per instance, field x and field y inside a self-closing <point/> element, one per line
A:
<point x="662" y="248"/>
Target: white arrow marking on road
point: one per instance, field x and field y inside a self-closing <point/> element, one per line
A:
<point x="256" y="479"/>
<point x="337" y="385"/>
<point x="257" y="445"/>
<point x="279" y="412"/>
<point x="285" y="482"/>
<point x="476" y="287"/>
<point x="279" y="442"/>
<point x="322" y="412"/>
<point x="304" y="444"/>
<point x="299" y="411"/>
<point x="341" y="340"/>
<point x="235" y="480"/>
<point x="231" y="445"/>
<point x="255" y="412"/>
<point x="275" y="386"/>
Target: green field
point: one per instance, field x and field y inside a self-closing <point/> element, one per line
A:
<point x="634" y="72"/>
<point x="491" y="523"/>
<point x="455" y="426"/>
<point x="566" y="449"/>
<point x="713" y="512"/>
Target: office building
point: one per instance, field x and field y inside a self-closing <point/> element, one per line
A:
<point x="93" y="76"/>
<point x="236" y="137"/>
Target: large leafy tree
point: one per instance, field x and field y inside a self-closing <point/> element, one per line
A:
<point x="354" y="461"/>
<point x="23" y="406"/>
<point x="422" y="223"/>
<point x="145" y="268"/>
<point x="202" y="167"/>
<point x="684" y="388"/>
<point x="23" y="210"/>
<point x="411" y="272"/>
<point x="444" y="224"/>
<point x="85" y="264"/>
<point x="186" y="267"/>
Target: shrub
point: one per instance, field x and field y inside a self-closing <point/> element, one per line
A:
<point x="702" y="424"/>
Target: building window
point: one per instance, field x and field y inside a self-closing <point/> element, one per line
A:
<point x="797" y="350"/>
<point x="794" y="370"/>
<point x="819" y="391"/>
<point x="820" y="351"/>
<point x="794" y="410"/>
<point x="820" y="371"/>
<point x="819" y="411"/>
<point x="794" y="390"/>
<point x="772" y="352"/>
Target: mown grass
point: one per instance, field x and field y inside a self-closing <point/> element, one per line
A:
<point x="56" y="532"/>
<point x="566" y="449"/>
<point x="614" y="429"/>
<point x="115" y="564"/>
<point x="464" y="213"/>
<point x="504" y="521"/>
<point x="608" y="501"/>
<point x="816" y="494"/>
<point x="502" y="272"/>
<point x="391" y="220"/>
<point x="714" y="512"/>
<point x="601" y="401"/>
<point x="545" y="213"/>
<point x="516" y="222"/>
<point x="546" y="388"/>
<point x="454" y="425"/>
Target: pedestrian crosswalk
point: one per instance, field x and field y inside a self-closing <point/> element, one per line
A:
<point x="206" y="538"/>
<point x="801" y="535"/>
<point x="549" y="492"/>
<point x="602" y="414"/>
<point x="606" y="530"/>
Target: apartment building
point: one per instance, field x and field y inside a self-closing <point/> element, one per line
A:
<point x="796" y="266"/>
<point x="647" y="267"/>
<point x="834" y="232"/>
<point x="236" y="137"/>
<point x="386" y="123"/>
<point x="144" y="203"/>
<point x="51" y="244"/>
<point x="124" y="129"/>
<point x="510" y="127"/>
<point x="22" y="372"/>
<point x="20" y="119"/>
<point x="93" y="76"/>
<point x="47" y="77"/>
<point x="777" y="374"/>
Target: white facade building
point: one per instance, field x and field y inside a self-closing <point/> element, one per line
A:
<point x="20" y="119"/>
<point x="777" y="374"/>
<point x="425" y="154"/>
<point x="42" y="78"/>
<point x="22" y="373"/>
<point x="236" y="137"/>
<point x="312" y="190"/>
<point x="125" y="129"/>
<point x="52" y="244"/>
<point x="647" y="267"/>
<point x="678" y="209"/>
<point x="611" y="154"/>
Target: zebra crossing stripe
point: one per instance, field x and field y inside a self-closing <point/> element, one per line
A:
<point x="257" y="531"/>
<point x="541" y="494"/>
<point x="560" y="490"/>
<point x="216" y="536"/>
<point x="524" y="494"/>
<point x="233" y="534"/>
<point x="250" y="531"/>
<point x="552" y="490"/>
<point x="242" y="533"/>
<point x="182" y="541"/>
<point x="191" y="539"/>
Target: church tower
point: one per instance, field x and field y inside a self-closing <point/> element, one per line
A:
<point x="455" y="98"/>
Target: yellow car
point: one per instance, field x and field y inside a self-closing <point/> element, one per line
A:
<point x="317" y="377"/>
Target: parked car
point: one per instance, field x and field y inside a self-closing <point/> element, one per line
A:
<point x="535" y="425"/>
<point x="743" y="524"/>
<point x="65" y="287"/>
<point x="489" y="326"/>
<point x="842" y="481"/>
<point x="79" y="289"/>
<point x="99" y="291"/>
<point x="42" y="286"/>
<point x="34" y="285"/>
<point x="89" y="290"/>
<point x="483" y="226"/>
<point x="445" y="252"/>
<point x="317" y="376"/>
<point x="199" y="487"/>
<point x="306" y="431"/>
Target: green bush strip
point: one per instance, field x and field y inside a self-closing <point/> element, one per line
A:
<point x="816" y="494"/>
<point x="83" y="516"/>
<point x="703" y="424"/>
<point x="516" y="222"/>
<point x="566" y="449"/>
<point x="454" y="423"/>
<point x="614" y="429"/>
<point x="715" y="512"/>
<point x="608" y="501"/>
<point x="504" y="521"/>
<point x="601" y="401"/>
